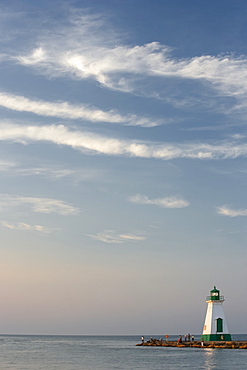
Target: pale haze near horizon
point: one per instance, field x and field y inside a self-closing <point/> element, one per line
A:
<point x="123" y="165"/>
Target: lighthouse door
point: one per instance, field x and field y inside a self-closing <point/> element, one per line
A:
<point x="219" y="325"/>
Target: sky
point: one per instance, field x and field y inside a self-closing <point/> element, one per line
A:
<point x="123" y="165"/>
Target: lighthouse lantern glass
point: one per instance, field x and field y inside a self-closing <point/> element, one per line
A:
<point x="215" y="294"/>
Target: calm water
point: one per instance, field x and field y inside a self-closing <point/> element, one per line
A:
<point x="110" y="352"/>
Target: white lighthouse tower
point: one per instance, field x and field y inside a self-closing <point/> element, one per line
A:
<point x="215" y="326"/>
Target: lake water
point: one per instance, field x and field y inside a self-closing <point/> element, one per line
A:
<point x="23" y="352"/>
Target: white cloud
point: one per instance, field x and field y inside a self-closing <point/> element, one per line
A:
<point x="131" y="237"/>
<point x="37" y="56"/>
<point x="226" y="211"/>
<point x="88" y="48"/>
<point x="169" y="202"/>
<point x="40" y="205"/>
<point x="238" y="136"/>
<point x="26" y="227"/>
<point x="91" y="143"/>
<point x="6" y="166"/>
<point x="66" y="110"/>
<point x="224" y="73"/>
<point x="110" y="236"/>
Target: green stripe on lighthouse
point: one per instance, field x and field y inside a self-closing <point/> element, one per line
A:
<point x="216" y="337"/>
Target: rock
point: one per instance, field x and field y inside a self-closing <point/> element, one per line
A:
<point x="197" y="344"/>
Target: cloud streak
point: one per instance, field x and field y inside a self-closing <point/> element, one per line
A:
<point x="110" y="237"/>
<point x="6" y="166"/>
<point x="65" y="110"/>
<point x="52" y="172"/>
<point x="59" y="172"/>
<point x="26" y="227"/>
<point x="169" y="202"/>
<point x="39" y="205"/>
<point x="226" y="211"/>
<point x="88" y="142"/>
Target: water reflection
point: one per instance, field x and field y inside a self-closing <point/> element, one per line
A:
<point x="209" y="357"/>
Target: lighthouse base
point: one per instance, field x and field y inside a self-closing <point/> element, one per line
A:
<point x="216" y="337"/>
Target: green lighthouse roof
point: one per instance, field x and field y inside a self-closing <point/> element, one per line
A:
<point x="214" y="290"/>
<point x="214" y="294"/>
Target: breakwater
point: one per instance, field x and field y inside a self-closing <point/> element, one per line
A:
<point x="195" y="344"/>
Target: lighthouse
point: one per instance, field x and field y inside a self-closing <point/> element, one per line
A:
<point x="215" y="326"/>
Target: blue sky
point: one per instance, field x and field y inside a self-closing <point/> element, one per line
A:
<point x="123" y="165"/>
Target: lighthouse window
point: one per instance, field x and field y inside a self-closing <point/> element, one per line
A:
<point x="215" y="294"/>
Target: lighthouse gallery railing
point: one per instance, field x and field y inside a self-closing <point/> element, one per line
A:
<point x="209" y="298"/>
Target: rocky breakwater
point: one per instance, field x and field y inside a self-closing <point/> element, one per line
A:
<point x="195" y="344"/>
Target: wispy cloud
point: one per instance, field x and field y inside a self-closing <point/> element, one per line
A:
<point x="89" y="142"/>
<point x="37" y="56"/>
<point x="26" y="227"/>
<point x="6" y="165"/>
<point x="238" y="136"/>
<point x="59" y="172"/>
<point x="226" y="211"/>
<point x="169" y="202"/>
<point x="86" y="48"/>
<point x="40" y="205"/>
<point x="66" y="110"/>
<point x="110" y="65"/>
<point x="231" y="232"/>
<point x="110" y="236"/>
<point x="52" y="172"/>
<point x="132" y="237"/>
